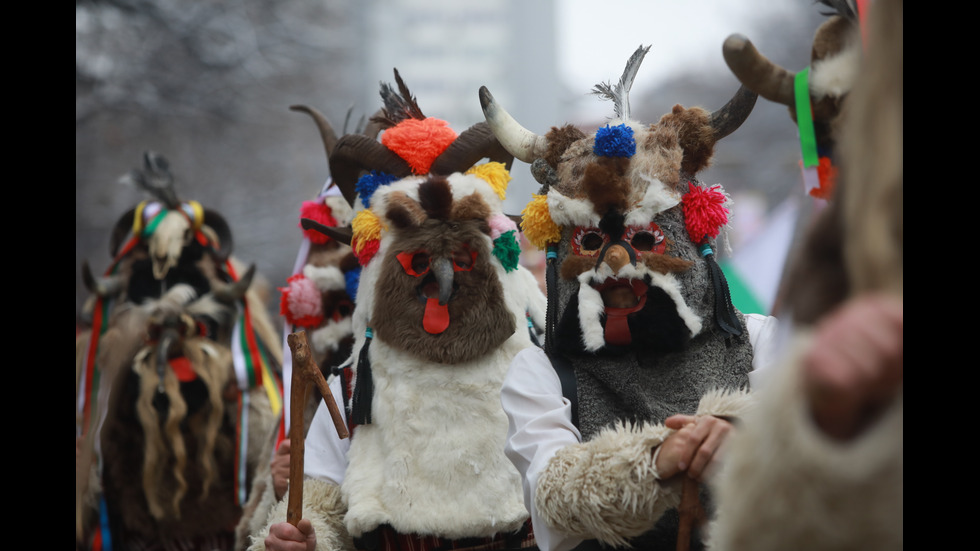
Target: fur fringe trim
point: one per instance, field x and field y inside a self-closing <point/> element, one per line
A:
<point x="779" y="470"/>
<point x="726" y="403"/>
<point x="607" y="488"/>
<point x="323" y="506"/>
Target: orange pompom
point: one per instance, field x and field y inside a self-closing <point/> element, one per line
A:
<point x="419" y="142"/>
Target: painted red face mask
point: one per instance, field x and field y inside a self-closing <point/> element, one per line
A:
<point x="418" y="264"/>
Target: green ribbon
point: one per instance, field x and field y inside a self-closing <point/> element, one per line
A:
<point x="804" y="119"/>
<point x="152" y="226"/>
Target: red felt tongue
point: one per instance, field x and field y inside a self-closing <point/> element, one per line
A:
<point x="182" y="369"/>
<point x="436" y="318"/>
<point x="617" y="330"/>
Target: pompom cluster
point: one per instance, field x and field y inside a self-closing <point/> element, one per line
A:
<point x="614" y="141"/>
<point x="495" y="174"/>
<point x="704" y="212"/>
<point x="539" y="229"/>
<point x="419" y="142"/>
<point x="369" y="183"/>
<point x="301" y="303"/>
<point x="319" y="212"/>
<point x="366" y="237"/>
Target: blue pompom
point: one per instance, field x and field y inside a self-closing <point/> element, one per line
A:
<point x="614" y="141"/>
<point x="369" y="183"/>
<point x="351" y="280"/>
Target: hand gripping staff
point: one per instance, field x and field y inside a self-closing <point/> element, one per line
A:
<point x="305" y="371"/>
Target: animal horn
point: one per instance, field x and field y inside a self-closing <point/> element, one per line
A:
<point x="355" y="153"/>
<point x="519" y="141"/>
<point x="104" y="286"/>
<point x="468" y="148"/>
<point x="758" y="73"/>
<point x="343" y="235"/>
<point x="232" y="292"/>
<point x="373" y="127"/>
<point x="727" y="119"/>
<point x="323" y="125"/>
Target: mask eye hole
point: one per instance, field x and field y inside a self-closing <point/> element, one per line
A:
<point x="415" y="263"/>
<point x="646" y="239"/>
<point x="588" y="241"/>
<point x="463" y="260"/>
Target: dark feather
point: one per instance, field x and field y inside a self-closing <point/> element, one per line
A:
<point x="155" y="179"/>
<point x="398" y="106"/>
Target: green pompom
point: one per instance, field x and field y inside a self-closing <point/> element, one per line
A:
<point x="507" y="250"/>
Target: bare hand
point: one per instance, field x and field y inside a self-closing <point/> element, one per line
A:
<point x="286" y="537"/>
<point x="280" y="469"/>
<point x="855" y="366"/>
<point x="694" y="447"/>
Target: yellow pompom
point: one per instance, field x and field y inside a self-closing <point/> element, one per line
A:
<point x="537" y="225"/>
<point x="366" y="226"/>
<point x="495" y="174"/>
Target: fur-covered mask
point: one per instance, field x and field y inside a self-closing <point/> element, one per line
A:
<point x="628" y="228"/>
<point x="440" y="271"/>
<point x="429" y="232"/>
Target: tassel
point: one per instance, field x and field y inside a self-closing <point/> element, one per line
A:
<point x="363" y="385"/>
<point x="551" y="279"/>
<point x="530" y="330"/>
<point x="724" y="309"/>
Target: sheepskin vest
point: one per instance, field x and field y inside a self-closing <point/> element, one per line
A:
<point x="650" y="388"/>
<point x="431" y="462"/>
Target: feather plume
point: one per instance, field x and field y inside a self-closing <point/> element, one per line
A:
<point x="399" y="105"/>
<point x="155" y="179"/>
<point x="621" y="92"/>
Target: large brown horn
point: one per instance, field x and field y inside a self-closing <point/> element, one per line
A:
<point x="473" y="144"/>
<point x="519" y="141"/>
<point x="756" y="72"/>
<point x="355" y="153"/>
<point x="343" y="235"/>
<point x="373" y="127"/>
<point x="323" y="125"/>
<point x="727" y="119"/>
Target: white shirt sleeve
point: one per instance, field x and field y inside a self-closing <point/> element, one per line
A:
<point x="540" y="425"/>
<point x="767" y="341"/>
<point x="540" y="417"/>
<point x="326" y="452"/>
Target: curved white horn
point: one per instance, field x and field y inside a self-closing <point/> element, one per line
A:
<point x="517" y="140"/>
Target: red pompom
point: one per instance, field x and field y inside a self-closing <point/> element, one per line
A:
<point x="365" y="251"/>
<point x="301" y="302"/>
<point x="318" y="211"/>
<point x="704" y="212"/>
<point x="419" y="142"/>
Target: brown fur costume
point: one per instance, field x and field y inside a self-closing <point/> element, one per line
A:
<point x="785" y="485"/>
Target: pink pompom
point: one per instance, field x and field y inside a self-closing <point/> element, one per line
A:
<point x="301" y="303"/>
<point x="320" y="212"/>
<point x="704" y="212"/>
<point x="500" y="224"/>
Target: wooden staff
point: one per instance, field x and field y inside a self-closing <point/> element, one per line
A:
<point x="691" y="512"/>
<point x="305" y="371"/>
